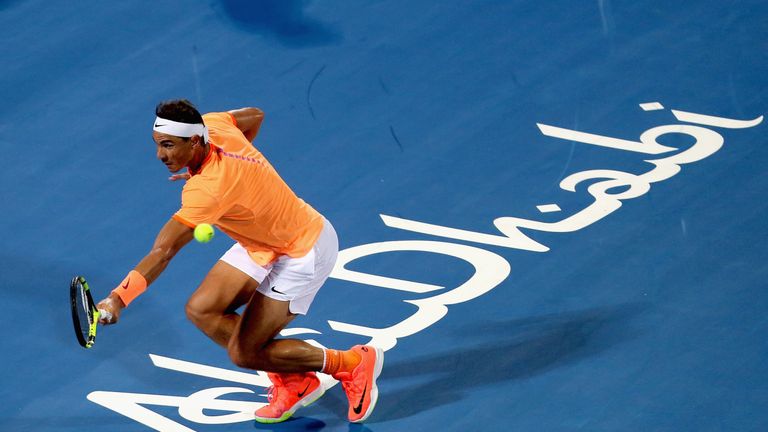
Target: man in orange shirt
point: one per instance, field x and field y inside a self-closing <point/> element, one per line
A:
<point x="284" y="252"/>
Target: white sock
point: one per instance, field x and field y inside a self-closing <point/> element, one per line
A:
<point x="325" y="357"/>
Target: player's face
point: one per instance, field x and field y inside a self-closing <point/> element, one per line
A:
<point x="174" y="152"/>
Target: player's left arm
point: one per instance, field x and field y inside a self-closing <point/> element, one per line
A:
<point x="169" y="241"/>
<point x="248" y="120"/>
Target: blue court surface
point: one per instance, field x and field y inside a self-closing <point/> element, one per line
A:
<point x="552" y="214"/>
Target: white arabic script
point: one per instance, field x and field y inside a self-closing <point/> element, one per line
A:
<point x="608" y="188"/>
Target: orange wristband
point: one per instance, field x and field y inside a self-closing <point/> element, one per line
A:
<point x="132" y="286"/>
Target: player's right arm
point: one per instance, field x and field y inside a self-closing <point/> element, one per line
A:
<point x="171" y="238"/>
<point x="248" y="120"/>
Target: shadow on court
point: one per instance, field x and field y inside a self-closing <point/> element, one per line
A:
<point x="510" y="350"/>
<point x="284" y="20"/>
<point x="310" y="424"/>
<point x="298" y="423"/>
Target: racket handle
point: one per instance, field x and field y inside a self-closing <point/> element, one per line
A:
<point x="105" y="315"/>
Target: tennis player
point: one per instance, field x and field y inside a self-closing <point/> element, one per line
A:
<point x="284" y="251"/>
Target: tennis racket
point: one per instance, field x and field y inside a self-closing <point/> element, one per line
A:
<point x="85" y="316"/>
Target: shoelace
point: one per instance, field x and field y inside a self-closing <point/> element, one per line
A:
<point x="351" y="385"/>
<point x="271" y="394"/>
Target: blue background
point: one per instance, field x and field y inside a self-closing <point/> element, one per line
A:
<point x="651" y="319"/>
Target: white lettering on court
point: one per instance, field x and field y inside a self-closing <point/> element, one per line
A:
<point x="490" y="270"/>
<point x="607" y="187"/>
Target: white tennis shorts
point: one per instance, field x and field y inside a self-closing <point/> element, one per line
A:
<point x="295" y="280"/>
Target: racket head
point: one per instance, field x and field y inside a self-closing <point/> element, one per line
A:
<point x="85" y="316"/>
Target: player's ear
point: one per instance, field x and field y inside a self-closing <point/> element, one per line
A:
<point x="196" y="140"/>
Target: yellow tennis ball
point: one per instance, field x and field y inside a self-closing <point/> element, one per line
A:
<point x="203" y="233"/>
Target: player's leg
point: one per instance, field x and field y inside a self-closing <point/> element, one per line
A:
<point x="254" y="346"/>
<point x="289" y="290"/>
<point x="228" y="285"/>
<point x="290" y="362"/>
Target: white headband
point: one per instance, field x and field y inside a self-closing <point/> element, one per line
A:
<point x="184" y="130"/>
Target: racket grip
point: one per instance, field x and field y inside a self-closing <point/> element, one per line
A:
<point x="105" y="315"/>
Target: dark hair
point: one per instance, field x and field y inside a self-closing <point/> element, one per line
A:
<point x="179" y="110"/>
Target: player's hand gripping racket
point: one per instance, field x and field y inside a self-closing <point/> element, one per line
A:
<point x="85" y="316"/>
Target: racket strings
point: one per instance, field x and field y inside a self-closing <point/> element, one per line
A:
<point x="83" y="313"/>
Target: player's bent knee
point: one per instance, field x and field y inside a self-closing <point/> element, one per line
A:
<point x="193" y="314"/>
<point x="197" y="314"/>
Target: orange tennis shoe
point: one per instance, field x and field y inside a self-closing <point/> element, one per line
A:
<point x="360" y="384"/>
<point x="288" y="393"/>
